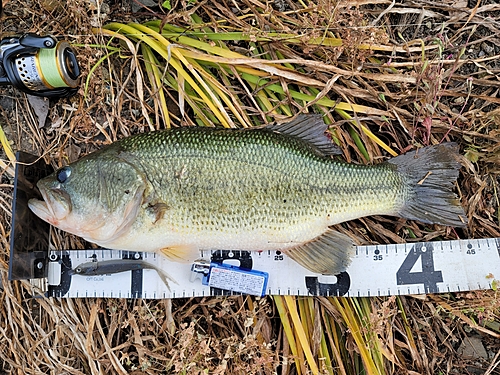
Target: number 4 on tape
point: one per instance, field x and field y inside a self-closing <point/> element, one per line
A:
<point x="428" y="276"/>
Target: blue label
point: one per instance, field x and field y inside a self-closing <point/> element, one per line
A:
<point x="235" y="279"/>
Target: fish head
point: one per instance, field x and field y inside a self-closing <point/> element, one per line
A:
<point x="85" y="269"/>
<point x="97" y="198"/>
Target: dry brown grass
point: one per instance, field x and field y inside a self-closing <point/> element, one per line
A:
<point x="439" y="82"/>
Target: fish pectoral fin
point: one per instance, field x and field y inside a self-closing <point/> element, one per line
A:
<point x="180" y="253"/>
<point x="327" y="254"/>
<point x="157" y="211"/>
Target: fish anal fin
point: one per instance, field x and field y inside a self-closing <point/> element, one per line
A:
<point x="180" y="253"/>
<point x="328" y="254"/>
<point x="310" y="128"/>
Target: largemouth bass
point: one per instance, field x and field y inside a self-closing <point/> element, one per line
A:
<point x="182" y="190"/>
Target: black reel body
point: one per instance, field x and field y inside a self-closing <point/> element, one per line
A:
<point x="39" y="65"/>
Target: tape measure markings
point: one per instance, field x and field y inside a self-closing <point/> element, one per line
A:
<point x="376" y="270"/>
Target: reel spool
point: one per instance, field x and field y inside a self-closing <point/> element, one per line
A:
<point x="39" y="66"/>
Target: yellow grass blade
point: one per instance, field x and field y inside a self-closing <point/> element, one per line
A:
<point x="323" y="101"/>
<point x="156" y="81"/>
<point x="270" y="68"/>
<point x="363" y="311"/>
<point x="222" y="92"/>
<point x="287" y="327"/>
<point x="163" y="50"/>
<point x="217" y="108"/>
<point x="343" y="305"/>
<point x="6" y="146"/>
<point x="299" y="330"/>
<point x="367" y="131"/>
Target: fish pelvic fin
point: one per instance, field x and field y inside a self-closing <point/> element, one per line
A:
<point x="328" y="254"/>
<point x="430" y="174"/>
<point x="180" y="253"/>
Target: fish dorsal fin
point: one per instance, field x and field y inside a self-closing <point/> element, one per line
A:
<point x="310" y="128"/>
<point x="327" y="254"/>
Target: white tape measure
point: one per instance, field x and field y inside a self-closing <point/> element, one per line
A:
<point x="379" y="270"/>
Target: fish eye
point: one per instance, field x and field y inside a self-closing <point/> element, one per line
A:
<point x="63" y="174"/>
<point x="78" y="269"/>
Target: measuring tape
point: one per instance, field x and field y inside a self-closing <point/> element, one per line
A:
<point x="376" y="270"/>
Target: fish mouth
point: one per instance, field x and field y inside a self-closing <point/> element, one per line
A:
<point x="40" y="209"/>
<point x="54" y="207"/>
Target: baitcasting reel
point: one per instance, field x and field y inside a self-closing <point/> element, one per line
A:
<point x="39" y="65"/>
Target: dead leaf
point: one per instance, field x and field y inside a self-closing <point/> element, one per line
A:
<point x="41" y="108"/>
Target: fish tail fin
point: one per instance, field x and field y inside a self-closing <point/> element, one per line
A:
<point x="430" y="174"/>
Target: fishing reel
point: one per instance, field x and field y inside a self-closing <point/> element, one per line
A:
<point x="39" y="65"/>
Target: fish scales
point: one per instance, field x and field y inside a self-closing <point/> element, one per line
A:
<point x="275" y="188"/>
<point x="234" y="182"/>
